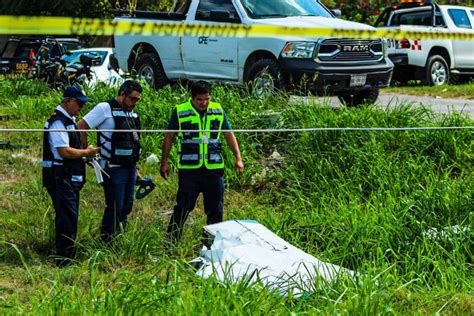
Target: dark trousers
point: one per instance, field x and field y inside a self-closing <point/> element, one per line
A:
<point x="190" y="185"/>
<point x="66" y="205"/>
<point x="118" y="191"/>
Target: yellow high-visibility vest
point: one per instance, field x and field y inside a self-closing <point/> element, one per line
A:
<point x="196" y="149"/>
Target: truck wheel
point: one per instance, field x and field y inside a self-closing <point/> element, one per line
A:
<point x="150" y="69"/>
<point x="437" y="71"/>
<point x="265" y="77"/>
<point x="359" y="98"/>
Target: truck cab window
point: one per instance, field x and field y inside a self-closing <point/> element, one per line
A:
<point x="23" y="49"/>
<point x="181" y="6"/>
<point x="412" y="18"/>
<point x="205" y="8"/>
<point x="460" y="18"/>
<point x="9" y="50"/>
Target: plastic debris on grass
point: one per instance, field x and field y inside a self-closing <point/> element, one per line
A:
<point x="246" y="251"/>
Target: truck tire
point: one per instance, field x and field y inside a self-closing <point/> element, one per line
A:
<point x="149" y="68"/>
<point x="436" y="71"/>
<point x="265" y="77"/>
<point x="359" y="98"/>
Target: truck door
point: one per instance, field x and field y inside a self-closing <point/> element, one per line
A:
<point x="212" y="57"/>
<point x="463" y="56"/>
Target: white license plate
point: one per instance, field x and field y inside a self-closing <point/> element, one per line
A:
<point x="358" y="80"/>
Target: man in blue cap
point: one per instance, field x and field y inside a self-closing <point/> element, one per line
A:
<point x="64" y="169"/>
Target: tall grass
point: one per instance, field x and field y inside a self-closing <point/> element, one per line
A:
<point x="364" y="200"/>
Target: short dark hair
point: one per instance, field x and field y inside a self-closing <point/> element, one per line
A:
<point x="129" y="86"/>
<point x="200" y="87"/>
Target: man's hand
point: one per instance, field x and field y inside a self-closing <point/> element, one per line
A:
<point x="234" y="147"/>
<point x="138" y="174"/>
<point x="73" y="153"/>
<point x="167" y="143"/>
<point x="91" y="151"/>
<point x="164" y="170"/>
<point x="239" y="166"/>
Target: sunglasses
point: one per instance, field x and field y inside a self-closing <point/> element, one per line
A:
<point x="134" y="99"/>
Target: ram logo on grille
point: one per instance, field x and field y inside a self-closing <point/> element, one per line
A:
<point x="355" y="48"/>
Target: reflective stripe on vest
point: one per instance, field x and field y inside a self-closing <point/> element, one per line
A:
<point x="196" y="149"/>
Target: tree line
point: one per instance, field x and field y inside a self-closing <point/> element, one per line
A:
<point x="364" y="11"/>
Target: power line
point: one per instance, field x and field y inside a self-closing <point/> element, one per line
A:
<point x="280" y="130"/>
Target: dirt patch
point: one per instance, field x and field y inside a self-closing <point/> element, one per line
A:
<point x="4" y="180"/>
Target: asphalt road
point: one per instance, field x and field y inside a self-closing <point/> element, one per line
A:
<point x="441" y="105"/>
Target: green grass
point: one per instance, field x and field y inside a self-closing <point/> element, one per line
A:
<point x="363" y="200"/>
<point x="464" y="91"/>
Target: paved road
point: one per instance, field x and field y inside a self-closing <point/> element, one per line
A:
<point x="441" y="105"/>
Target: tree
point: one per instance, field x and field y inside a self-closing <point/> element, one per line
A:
<point x="76" y="8"/>
<point x="367" y="11"/>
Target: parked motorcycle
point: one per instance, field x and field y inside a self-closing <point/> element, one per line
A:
<point x="58" y="74"/>
<point x="47" y="68"/>
<point x="77" y="72"/>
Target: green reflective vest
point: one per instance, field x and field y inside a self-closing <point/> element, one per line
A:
<point x="196" y="149"/>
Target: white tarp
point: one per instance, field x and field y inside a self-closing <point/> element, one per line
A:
<point x="247" y="250"/>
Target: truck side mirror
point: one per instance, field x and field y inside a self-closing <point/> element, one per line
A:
<point x="336" y="12"/>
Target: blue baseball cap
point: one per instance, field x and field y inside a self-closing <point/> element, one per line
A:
<point x="76" y="92"/>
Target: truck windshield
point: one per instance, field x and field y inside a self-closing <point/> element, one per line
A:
<point x="263" y="9"/>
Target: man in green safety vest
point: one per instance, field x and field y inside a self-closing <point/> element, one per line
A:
<point x="200" y="162"/>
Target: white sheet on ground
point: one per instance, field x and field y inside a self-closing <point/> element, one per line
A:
<point x="247" y="250"/>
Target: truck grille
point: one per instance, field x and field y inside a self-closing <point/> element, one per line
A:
<point x="347" y="50"/>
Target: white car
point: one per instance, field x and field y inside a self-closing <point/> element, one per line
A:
<point x="101" y="72"/>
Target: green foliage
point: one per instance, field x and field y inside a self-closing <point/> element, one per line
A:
<point x="367" y="11"/>
<point x="73" y="8"/>
<point x="80" y="8"/>
<point x="365" y="200"/>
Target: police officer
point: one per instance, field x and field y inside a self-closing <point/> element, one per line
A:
<point x="120" y="152"/>
<point x="64" y="169"/>
<point x="200" y="162"/>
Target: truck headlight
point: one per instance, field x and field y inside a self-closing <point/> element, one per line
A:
<point x="298" y="50"/>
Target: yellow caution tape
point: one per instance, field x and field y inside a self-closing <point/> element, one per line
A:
<point x="86" y="26"/>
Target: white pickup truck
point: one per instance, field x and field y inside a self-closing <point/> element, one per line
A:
<point x="352" y="69"/>
<point x="432" y="61"/>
